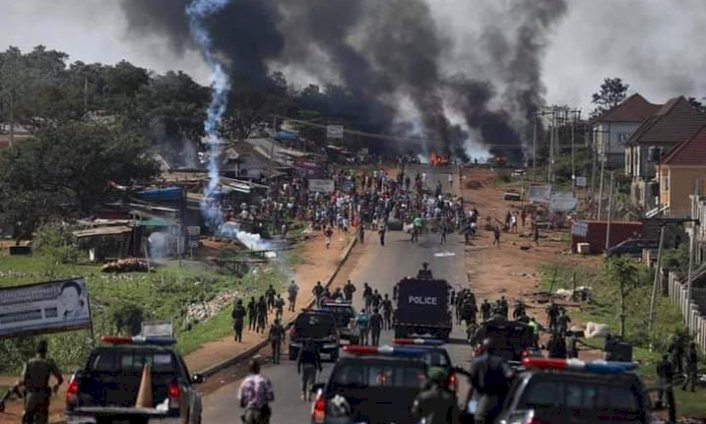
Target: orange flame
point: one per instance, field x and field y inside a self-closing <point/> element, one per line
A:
<point x="436" y="159"/>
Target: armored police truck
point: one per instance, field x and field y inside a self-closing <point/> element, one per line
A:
<point x="423" y="306"/>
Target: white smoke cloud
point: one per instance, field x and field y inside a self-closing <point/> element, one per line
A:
<point x="653" y="45"/>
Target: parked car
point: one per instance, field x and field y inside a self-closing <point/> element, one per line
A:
<point x="631" y="247"/>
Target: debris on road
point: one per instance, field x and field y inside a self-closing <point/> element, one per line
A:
<point x="126" y="265"/>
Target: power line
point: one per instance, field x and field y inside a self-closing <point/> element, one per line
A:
<point x="387" y="137"/>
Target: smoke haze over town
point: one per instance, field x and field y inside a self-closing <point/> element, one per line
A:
<point x="463" y="72"/>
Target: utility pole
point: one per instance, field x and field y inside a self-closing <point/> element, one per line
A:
<point x="573" y="151"/>
<point x="85" y="95"/>
<point x="552" y="141"/>
<point x="610" y="213"/>
<point x="12" y="118"/>
<point x="534" y="149"/>
<point x="600" y="190"/>
<point x="655" y="284"/>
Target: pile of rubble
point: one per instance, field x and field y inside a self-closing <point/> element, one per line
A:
<point x="580" y="294"/>
<point x="201" y="311"/>
<point x="126" y="265"/>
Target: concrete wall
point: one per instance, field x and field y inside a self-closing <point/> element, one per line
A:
<point x="676" y="184"/>
<point x="692" y="311"/>
<point x="610" y="140"/>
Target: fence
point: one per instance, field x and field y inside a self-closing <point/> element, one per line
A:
<point x="694" y="319"/>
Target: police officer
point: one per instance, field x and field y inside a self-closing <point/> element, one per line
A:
<point x="292" y="290"/>
<point x="692" y="363"/>
<point x="435" y="404"/>
<point x="375" y="325"/>
<point x="665" y="373"/>
<point x="279" y="306"/>
<point x="387" y="312"/>
<point x="490" y="378"/>
<point x="238" y="315"/>
<point x="348" y="291"/>
<point x="308" y="362"/>
<point x="485" y="310"/>
<point x="252" y="314"/>
<point x="35" y="378"/>
<point x="15" y="390"/>
<point x="276" y="336"/>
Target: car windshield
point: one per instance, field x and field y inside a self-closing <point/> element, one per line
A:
<point x="437" y="359"/>
<point x="379" y="375"/>
<point x="342" y="313"/>
<point x="554" y="393"/>
<point x="113" y="361"/>
<point x="315" y="325"/>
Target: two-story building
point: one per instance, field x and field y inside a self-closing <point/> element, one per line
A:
<point x="673" y="123"/>
<point x="613" y="128"/>
<point x="681" y="173"/>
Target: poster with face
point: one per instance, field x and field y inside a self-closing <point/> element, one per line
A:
<point x="44" y="307"/>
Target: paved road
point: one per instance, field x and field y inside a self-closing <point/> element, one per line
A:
<point x="381" y="267"/>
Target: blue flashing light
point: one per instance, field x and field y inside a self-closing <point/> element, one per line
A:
<point x="595" y="367"/>
<point x="384" y="350"/>
<point x="420" y="342"/>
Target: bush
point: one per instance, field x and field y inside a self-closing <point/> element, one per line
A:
<point x="55" y="242"/>
<point x="504" y="177"/>
<point x="128" y="319"/>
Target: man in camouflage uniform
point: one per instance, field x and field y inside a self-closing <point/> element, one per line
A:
<point x="35" y="378"/>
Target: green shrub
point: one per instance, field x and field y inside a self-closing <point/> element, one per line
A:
<point x="55" y="242"/>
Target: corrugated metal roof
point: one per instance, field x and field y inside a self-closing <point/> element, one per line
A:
<point x="102" y="231"/>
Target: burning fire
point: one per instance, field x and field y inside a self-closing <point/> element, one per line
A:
<point x="438" y="160"/>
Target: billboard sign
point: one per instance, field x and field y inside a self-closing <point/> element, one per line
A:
<point x="321" y="186"/>
<point x="539" y="193"/>
<point x="44" y="307"/>
<point x="309" y="169"/>
<point x="562" y="201"/>
<point x="334" y="131"/>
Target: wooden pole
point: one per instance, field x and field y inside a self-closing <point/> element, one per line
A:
<point x="609" y="213"/>
<point x="654" y="285"/>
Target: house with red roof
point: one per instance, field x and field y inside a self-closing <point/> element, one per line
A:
<point x="682" y="173"/>
<point x="654" y="139"/>
<point x="614" y="127"/>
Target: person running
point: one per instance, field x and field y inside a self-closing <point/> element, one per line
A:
<point x="292" y="290"/>
<point x="308" y="362"/>
<point x="255" y="395"/>
<point x="361" y="322"/>
<point x="375" y="324"/>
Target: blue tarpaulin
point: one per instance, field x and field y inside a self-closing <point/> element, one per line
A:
<point x="286" y="135"/>
<point x="162" y="194"/>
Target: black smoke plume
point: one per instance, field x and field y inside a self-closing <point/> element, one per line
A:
<point x="381" y="50"/>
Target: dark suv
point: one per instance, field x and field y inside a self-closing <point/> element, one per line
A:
<point x="344" y="314"/>
<point x="318" y="327"/>
<point x="574" y="391"/>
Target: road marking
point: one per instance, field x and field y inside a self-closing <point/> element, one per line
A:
<point x="444" y="254"/>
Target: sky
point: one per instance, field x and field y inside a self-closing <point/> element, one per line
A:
<point x="654" y="45"/>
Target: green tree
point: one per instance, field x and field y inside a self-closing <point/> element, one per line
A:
<point x="697" y="104"/>
<point x="171" y="107"/>
<point x="612" y="92"/>
<point x="250" y="105"/>
<point x="66" y="170"/>
<point x="624" y="272"/>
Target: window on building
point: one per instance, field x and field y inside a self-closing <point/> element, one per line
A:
<point x="623" y="137"/>
<point x="665" y="183"/>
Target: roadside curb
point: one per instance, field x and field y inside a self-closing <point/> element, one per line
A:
<point x="251" y="351"/>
